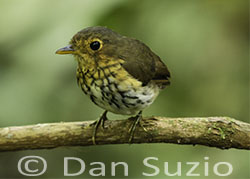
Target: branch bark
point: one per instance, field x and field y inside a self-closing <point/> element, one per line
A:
<point x="220" y="132"/>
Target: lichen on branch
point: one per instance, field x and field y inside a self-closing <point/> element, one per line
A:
<point x="220" y="132"/>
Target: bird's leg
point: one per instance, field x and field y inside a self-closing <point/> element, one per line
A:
<point x="137" y="119"/>
<point x="97" y="123"/>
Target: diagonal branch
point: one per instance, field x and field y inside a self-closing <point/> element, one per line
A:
<point x="220" y="132"/>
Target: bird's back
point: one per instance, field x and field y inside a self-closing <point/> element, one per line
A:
<point x="142" y="63"/>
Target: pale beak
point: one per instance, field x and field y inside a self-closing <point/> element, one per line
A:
<point x="66" y="50"/>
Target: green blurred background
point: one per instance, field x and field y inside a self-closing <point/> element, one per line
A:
<point x="203" y="42"/>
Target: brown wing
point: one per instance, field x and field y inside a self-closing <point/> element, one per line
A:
<point x="143" y="64"/>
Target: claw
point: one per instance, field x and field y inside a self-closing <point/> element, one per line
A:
<point x="97" y="123"/>
<point x="133" y="127"/>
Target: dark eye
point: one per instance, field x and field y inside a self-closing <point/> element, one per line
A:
<point x="95" y="45"/>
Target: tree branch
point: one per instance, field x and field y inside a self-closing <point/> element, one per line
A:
<point x="220" y="132"/>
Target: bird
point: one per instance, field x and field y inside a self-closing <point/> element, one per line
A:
<point x="121" y="75"/>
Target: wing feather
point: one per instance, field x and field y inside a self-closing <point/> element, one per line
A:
<point x="143" y="64"/>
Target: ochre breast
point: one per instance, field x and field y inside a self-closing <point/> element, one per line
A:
<point x="106" y="73"/>
<point x="111" y="87"/>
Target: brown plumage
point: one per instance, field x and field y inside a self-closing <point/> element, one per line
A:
<point x="140" y="61"/>
<point x="119" y="74"/>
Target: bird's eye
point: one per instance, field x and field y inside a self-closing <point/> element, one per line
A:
<point x="95" y="45"/>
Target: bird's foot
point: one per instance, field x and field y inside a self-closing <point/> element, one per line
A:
<point x="97" y="123"/>
<point x="136" y="120"/>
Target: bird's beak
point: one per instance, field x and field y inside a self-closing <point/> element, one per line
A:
<point x="66" y="50"/>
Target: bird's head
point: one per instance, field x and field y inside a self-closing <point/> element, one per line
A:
<point x="92" y="44"/>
